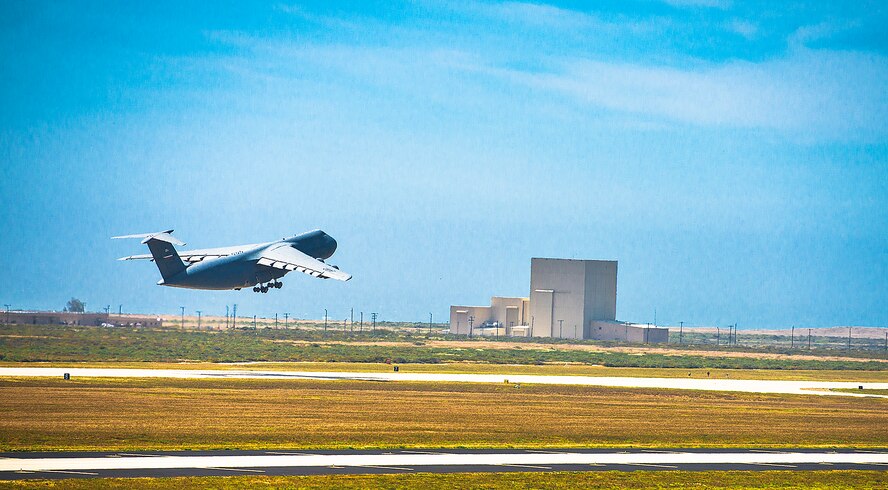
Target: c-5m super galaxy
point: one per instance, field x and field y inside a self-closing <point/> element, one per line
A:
<point x="259" y="265"/>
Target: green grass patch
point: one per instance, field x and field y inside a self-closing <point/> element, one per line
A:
<point x="32" y="343"/>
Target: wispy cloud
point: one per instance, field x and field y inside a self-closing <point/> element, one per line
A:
<point x="815" y="92"/>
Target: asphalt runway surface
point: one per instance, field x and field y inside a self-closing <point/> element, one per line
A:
<point x="57" y="465"/>
<point x="706" y="384"/>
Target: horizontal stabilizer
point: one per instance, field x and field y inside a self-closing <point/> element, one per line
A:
<point x="163" y="236"/>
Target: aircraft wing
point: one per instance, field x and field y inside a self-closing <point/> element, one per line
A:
<point x="288" y="258"/>
<point x="193" y="256"/>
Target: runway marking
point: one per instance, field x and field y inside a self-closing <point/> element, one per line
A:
<point x="527" y="466"/>
<point x="382" y="467"/>
<point x="651" y="464"/>
<point x="233" y="469"/>
<point x="69" y="472"/>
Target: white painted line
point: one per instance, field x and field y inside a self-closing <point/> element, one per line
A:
<point x="423" y="452"/>
<point x="414" y="460"/>
<point x="653" y="465"/>
<point x="71" y="472"/>
<point x="290" y="454"/>
<point x="772" y="464"/>
<point x="735" y="385"/>
<point x="139" y="455"/>
<point x="528" y="466"/>
<point x="383" y="467"/>
<point x="234" y="469"/>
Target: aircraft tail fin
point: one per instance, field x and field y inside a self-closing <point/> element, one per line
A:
<point x="165" y="256"/>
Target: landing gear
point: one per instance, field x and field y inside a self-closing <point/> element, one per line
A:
<point x="263" y="288"/>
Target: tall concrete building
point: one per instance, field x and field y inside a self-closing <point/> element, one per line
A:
<point x="570" y="299"/>
<point x="566" y="296"/>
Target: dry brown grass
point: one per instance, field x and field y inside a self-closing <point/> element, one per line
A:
<point x="166" y="413"/>
<point x="516" y="481"/>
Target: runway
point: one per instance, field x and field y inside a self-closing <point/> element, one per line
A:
<point x="17" y="466"/>
<point x="708" y="384"/>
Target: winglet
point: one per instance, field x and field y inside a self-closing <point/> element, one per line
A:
<point x="163" y="236"/>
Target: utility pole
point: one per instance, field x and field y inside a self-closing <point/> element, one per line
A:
<point x="7" y="315"/>
<point x="373" y="316"/>
<point x="286" y="318"/>
<point x="647" y="331"/>
<point x="119" y="310"/>
<point x="849" y="338"/>
<point x="430" y="323"/>
<point x="198" y="319"/>
<point x="275" y="321"/>
<point x="226" y="316"/>
<point x="531" y="327"/>
<point x="471" y="320"/>
<point x="792" y="337"/>
<point x="809" y="339"/>
<point x="182" y="318"/>
<point x="254" y="322"/>
<point x="234" y="317"/>
<point x="560" y="323"/>
<point x="352" y="328"/>
<point x="717" y="336"/>
<point x="325" y="321"/>
<point x="681" y="326"/>
<point x="362" y="323"/>
<point x="107" y="309"/>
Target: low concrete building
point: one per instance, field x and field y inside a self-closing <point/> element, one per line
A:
<point x="73" y="318"/>
<point x="571" y="299"/>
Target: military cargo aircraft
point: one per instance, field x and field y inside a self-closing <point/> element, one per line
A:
<point x="257" y="265"/>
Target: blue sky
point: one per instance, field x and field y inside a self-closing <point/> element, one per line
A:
<point x="733" y="156"/>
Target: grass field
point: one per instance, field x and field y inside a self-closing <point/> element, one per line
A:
<point x="129" y="414"/>
<point x="556" y="369"/>
<point x="592" y="480"/>
<point x="29" y="343"/>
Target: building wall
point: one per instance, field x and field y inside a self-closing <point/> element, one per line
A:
<point x="459" y="318"/>
<point x="557" y="292"/>
<point x="600" y="293"/>
<point x="626" y="332"/>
